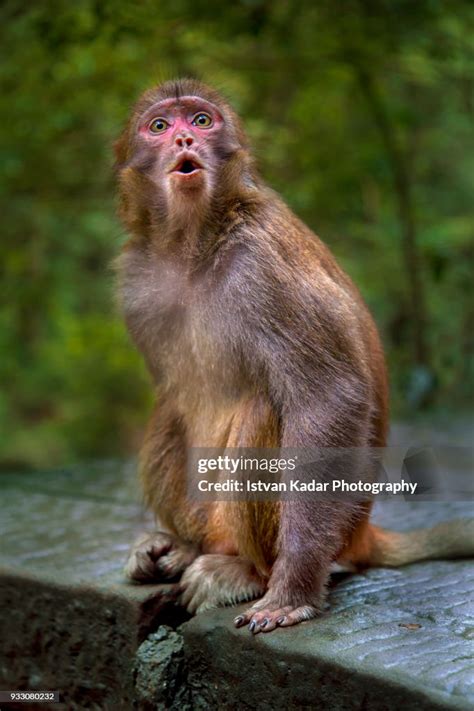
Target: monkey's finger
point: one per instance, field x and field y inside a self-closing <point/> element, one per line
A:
<point x="299" y="614"/>
<point x="245" y="617"/>
<point x="193" y="594"/>
<point x="267" y="624"/>
<point x="169" y="565"/>
<point x="267" y="620"/>
<point x="140" y="567"/>
<point x="260" y="619"/>
<point x="156" y="550"/>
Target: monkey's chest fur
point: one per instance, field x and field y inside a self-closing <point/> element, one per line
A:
<point x="179" y="321"/>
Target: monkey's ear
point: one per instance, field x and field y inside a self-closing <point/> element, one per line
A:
<point x="121" y="150"/>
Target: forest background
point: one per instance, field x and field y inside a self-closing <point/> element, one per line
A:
<point x="361" y="116"/>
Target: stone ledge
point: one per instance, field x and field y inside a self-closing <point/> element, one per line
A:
<point x="393" y="639"/>
<point x="358" y="656"/>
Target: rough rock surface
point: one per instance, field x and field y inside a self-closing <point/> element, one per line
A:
<point x="392" y="638"/>
<point x="68" y="619"/>
<point x="160" y="676"/>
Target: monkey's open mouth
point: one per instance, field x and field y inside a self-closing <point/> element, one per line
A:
<point x="187" y="166"/>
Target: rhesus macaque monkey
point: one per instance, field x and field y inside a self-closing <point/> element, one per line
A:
<point x="254" y="337"/>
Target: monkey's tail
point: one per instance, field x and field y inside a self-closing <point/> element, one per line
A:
<point x="378" y="547"/>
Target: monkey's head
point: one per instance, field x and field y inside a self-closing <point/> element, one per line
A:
<point x="182" y="149"/>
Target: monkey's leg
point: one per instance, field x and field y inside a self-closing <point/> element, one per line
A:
<point x="165" y="554"/>
<point x="215" y="580"/>
<point x="296" y="588"/>
<point x="312" y="533"/>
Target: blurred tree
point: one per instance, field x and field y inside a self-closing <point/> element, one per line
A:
<point x="361" y="115"/>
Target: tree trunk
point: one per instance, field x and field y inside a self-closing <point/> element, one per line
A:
<point x="403" y="195"/>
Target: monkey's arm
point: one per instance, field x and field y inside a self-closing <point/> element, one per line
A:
<point x="312" y="533"/>
<point x="321" y="390"/>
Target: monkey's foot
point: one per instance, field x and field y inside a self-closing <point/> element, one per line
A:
<point x="266" y="616"/>
<point x="158" y="556"/>
<point x="217" y="580"/>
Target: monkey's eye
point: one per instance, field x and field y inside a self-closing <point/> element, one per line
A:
<point x="202" y="120"/>
<point x="158" y="125"/>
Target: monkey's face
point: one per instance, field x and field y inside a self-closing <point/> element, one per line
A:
<point x="182" y="153"/>
<point x="186" y="140"/>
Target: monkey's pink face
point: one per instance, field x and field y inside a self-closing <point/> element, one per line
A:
<point x="185" y="137"/>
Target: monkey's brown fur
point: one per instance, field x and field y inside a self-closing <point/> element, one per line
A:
<point x="254" y="337"/>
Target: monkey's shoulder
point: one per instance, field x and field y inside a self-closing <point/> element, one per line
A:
<point x="276" y="236"/>
<point x="274" y="253"/>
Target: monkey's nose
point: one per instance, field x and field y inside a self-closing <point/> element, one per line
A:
<point x="184" y="141"/>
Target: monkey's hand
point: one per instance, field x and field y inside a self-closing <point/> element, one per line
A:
<point x="158" y="556"/>
<point x="267" y="614"/>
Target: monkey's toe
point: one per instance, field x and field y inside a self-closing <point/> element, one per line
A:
<point x="265" y="619"/>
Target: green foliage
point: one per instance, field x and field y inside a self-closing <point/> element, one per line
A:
<point x="361" y="115"/>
